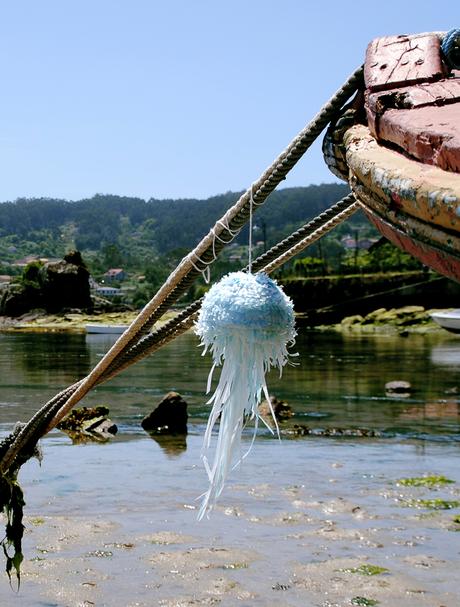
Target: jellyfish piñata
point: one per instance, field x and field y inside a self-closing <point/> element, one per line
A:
<point x="247" y="323"/>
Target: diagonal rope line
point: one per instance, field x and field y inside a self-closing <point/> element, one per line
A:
<point x="186" y="273"/>
<point x="153" y="341"/>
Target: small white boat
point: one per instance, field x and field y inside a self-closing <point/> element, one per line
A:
<point x="447" y="319"/>
<point x="103" y="328"/>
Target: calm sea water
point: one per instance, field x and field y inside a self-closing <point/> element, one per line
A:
<point x="337" y="380"/>
<point x="115" y="524"/>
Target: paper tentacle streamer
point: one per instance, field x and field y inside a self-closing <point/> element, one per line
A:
<point x="247" y="323"/>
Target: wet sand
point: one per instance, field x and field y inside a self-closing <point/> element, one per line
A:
<point x="298" y="525"/>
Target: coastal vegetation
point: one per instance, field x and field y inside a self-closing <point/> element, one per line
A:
<point x="147" y="238"/>
<point x="112" y="230"/>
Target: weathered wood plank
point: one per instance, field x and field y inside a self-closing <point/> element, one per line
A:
<point x="427" y="93"/>
<point x="423" y="191"/>
<point x="430" y="134"/>
<point x="418" y="95"/>
<point x="394" y="61"/>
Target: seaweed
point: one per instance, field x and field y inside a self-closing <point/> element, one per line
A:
<point x="430" y="481"/>
<point x="12" y="505"/>
<point x="362" y="600"/>
<point x="365" y="570"/>
<point x="433" y="504"/>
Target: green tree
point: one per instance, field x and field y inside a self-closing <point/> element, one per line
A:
<point x="112" y="256"/>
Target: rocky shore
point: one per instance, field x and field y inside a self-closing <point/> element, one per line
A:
<point x="74" y="322"/>
<point x="405" y="320"/>
<point x="39" y="321"/>
<point x="408" y="319"/>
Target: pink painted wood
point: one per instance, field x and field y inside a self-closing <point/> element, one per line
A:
<point x="408" y="101"/>
<point x="395" y="61"/>
<point x="429" y="134"/>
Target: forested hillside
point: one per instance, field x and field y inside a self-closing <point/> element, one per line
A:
<point x="134" y="229"/>
<point x="147" y="238"/>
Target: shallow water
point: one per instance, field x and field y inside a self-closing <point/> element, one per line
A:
<point x="115" y="524"/>
<point x="337" y="380"/>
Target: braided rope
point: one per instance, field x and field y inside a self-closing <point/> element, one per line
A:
<point x="267" y="262"/>
<point x="451" y="48"/>
<point x="188" y="269"/>
<point x="311" y="238"/>
<point x="48" y="416"/>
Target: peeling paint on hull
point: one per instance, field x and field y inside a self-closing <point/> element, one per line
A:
<point x="435" y="258"/>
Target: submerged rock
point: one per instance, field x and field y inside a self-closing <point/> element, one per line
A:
<point x="302" y="430"/>
<point x="169" y="416"/>
<point x="281" y="409"/>
<point x="398" y="387"/>
<point x="88" y="423"/>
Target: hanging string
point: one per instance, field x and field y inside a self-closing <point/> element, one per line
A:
<point x="251" y="202"/>
<point x="206" y="271"/>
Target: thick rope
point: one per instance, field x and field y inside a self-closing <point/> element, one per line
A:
<point x="223" y="232"/>
<point x="451" y="48"/>
<point x="268" y="262"/>
<point x="46" y="417"/>
<point x="311" y="238"/>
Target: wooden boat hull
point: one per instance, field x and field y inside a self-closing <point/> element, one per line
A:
<point x="432" y="256"/>
<point x="403" y="165"/>
<point x="415" y="206"/>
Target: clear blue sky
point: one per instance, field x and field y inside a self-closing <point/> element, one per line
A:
<point x="178" y="98"/>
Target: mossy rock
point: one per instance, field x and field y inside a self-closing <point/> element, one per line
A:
<point x="374" y="316"/>
<point x="357" y="319"/>
<point x="87" y="424"/>
<point x="83" y="416"/>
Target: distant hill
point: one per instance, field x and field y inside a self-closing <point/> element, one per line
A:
<point x="139" y="228"/>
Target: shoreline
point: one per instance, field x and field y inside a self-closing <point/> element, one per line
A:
<point x="405" y="320"/>
<point x="37" y="322"/>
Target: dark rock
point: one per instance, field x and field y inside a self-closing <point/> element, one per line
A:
<point x="65" y="285"/>
<point x="169" y="416"/>
<point x="17" y="299"/>
<point x="302" y="430"/>
<point x="281" y="409"/>
<point x="88" y="424"/>
<point x="52" y="286"/>
<point x="398" y="387"/>
<point x="75" y="258"/>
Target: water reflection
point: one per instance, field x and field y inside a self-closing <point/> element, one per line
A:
<point x="29" y="356"/>
<point x="339" y="380"/>
<point x="447" y="355"/>
<point x="171" y="445"/>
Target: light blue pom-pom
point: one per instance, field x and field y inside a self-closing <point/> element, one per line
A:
<point x="247" y="323"/>
<point x="245" y="301"/>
